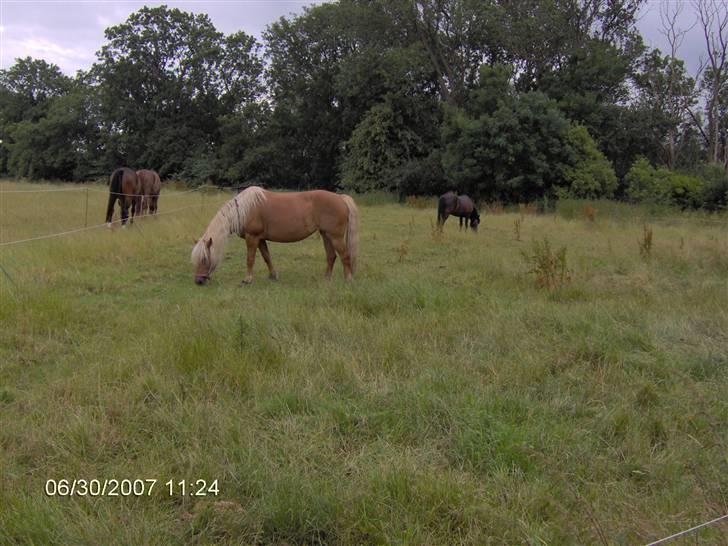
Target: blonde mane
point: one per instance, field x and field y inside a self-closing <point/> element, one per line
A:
<point x="229" y="219"/>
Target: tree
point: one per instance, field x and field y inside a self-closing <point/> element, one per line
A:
<point x="47" y="129"/>
<point x="165" y="77"/>
<point x="387" y="145"/>
<point x="713" y="19"/>
<point x="28" y="86"/>
<point x="328" y="68"/>
<point x="665" y="95"/>
<point x="514" y="149"/>
<point x="589" y="175"/>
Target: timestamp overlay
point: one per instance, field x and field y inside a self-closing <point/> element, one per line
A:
<point x="130" y="487"/>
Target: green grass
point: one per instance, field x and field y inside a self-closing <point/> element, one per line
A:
<point x="440" y="398"/>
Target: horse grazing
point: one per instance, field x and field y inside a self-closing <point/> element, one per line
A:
<point x="124" y="185"/>
<point x="258" y="215"/>
<point x="151" y="185"/>
<point x="457" y="205"/>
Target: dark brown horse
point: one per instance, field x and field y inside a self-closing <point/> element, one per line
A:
<point x="124" y="186"/>
<point x="151" y="185"/>
<point x="258" y="216"/>
<point x="458" y="205"/>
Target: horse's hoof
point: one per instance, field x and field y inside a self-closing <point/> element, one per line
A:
<point x="273" y="276"/>
<point x="108" y="225"/>
<point x="245" y="282"/>
<point x="123" y="227"/>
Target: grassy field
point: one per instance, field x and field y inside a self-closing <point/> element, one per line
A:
<point x="443" y="397"/>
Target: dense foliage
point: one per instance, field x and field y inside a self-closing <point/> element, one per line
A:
<point x="513" y="101"/>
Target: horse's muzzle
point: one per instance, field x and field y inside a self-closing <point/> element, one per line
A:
<point x="201" y="279"/>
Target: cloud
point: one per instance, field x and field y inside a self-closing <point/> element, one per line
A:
<point x="104" y="21"/>
<point x="69" y="59"/>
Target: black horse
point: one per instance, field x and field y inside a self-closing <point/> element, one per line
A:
<point x="124" y="185"/>
<point x="458" y="205"/>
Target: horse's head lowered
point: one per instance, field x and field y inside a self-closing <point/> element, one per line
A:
<point x="204" y="260"/>
<point x="474" y="220"/>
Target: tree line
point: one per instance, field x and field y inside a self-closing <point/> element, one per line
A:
<point x="510" y="101"/>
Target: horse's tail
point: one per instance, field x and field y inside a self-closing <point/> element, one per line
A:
<point x="441" y="210"/>
<point x="352" y="230"/>
<point x="114" y="192"/>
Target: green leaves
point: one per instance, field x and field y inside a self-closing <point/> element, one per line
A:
<point x="513" y="148"/>
<point x="590" y="175"/>
<point x="167" y="76"/>
<point x="662" y="186"/>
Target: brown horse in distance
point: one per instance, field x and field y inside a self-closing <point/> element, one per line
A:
<point x="258" y="215"/>
<point x="124" y="185"/>
<point x="457" y="205"/>
<point x="151" y="185"/>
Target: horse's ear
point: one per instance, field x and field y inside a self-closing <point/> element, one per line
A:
<point x="209" y="242"/>
<point x="195" y="241"/>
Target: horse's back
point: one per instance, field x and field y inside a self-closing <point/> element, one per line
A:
<point x="465" y="203"/>
<point x="289" y="216"/>
<point x="149" y="181"/>
<point x="131" y="181"/>
<point x="448" y="200"/>
<point x="127" y="179"/>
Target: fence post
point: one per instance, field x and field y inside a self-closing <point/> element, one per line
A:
<point x="85" y="220"/>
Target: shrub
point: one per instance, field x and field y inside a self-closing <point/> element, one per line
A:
<point x="662" y="186"/>
<point x="549" y="266"/>
<point x="646" y="243"/>
<point x="714" y="195"/>
<point x="591" y="175"/>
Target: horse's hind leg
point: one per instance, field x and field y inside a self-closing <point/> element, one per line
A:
<point x="124" y="210"/>
<point x="110" y="208"/>
<point x="136" y="205"/>
<point x="340" y="247"/>
<point x="330" y="255"/>
<point x="461" y="222"/>
<point x="272" y="273"/>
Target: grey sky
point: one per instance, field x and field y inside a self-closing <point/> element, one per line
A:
<point x="68" y="33"/>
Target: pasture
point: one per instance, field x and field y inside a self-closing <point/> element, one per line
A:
<point x="442" y="397"/>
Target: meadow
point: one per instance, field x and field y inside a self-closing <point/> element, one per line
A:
<point x="463" y="389"/>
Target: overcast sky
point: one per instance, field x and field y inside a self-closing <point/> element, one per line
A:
<point x="70" y="32"/>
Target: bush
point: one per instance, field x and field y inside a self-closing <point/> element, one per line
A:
<point x="505" y="145"/>
<point x="714" y="195"/>
<point x="549" y="266"/>
<point x="420" y="176"/>
<point x="662" y="186"/>
<point x="591" y="175"/>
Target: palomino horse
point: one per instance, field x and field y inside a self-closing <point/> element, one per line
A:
<point x="457" y="205"/>
<point x="258" y="215"/>
<point x="124" y="186"/>
<point x="151" y="185"/>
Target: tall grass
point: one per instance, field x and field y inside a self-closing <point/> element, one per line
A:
<point x="440" y="398"/>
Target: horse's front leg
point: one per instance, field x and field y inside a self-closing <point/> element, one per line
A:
<point x="461" y="222"/>
<point x="252" y="245"/>
<point x="272" y="273"/>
